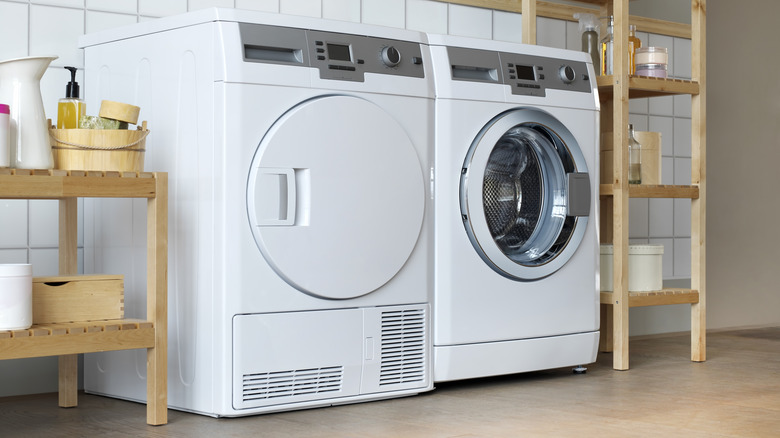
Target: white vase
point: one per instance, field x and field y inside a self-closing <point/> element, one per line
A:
<point x="20" y="88"/>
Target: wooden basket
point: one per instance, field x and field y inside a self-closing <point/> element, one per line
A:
<point x="99" y="149"/>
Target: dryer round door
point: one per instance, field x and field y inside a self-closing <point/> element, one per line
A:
<point x="525" y="194"/>
<point x="336" y="197"/>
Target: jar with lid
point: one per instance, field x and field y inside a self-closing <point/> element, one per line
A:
<point x="634" y="158"/>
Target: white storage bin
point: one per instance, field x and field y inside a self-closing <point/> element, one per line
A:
<point x="645" y="268"/>
<point x="15" y="296"/>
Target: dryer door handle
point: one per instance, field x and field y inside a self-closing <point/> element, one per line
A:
<point x="274" y="196"/>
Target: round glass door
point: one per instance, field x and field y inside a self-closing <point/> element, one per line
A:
<point x="525" y="194"/>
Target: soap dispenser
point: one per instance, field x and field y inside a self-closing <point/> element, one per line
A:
<point x="71" y="107"/>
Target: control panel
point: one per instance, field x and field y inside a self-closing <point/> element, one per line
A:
<point x="349" y="57"/>
<point x="338" y="56"/>
<point x="532" y="75"/>
<point x="525" y="74"/>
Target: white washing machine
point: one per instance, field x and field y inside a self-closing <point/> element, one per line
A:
<point x="299" y="154"/>
<point x="516" y="240"/>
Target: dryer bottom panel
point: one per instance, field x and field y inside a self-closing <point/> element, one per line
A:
<point x="292" y="360"/>
<point x="458" y="362"/>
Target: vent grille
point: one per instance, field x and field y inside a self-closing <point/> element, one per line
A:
<point x="403" y="347"/>
<point x="292" y="383"/>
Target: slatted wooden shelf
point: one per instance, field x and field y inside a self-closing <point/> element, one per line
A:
<point x="76" y="337"/>
<point x="653" y="191"/>
<point x="55" y="184"/>
<point x="643" y="86"/>
<point x="655" y="298"/>
<point x="57" y="329"/>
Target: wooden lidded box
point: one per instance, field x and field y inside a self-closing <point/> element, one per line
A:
<point x="78" y="298"/>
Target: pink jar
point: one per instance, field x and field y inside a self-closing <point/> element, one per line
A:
<point x="651" y="70"/>
<point x="5" y="139"/>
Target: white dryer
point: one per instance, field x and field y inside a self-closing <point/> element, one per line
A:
<point x="299" y="154"/>
<point x="516" y="241"/>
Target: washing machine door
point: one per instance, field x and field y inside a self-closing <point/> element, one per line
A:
<point x="336" y="197"/>
<point x="525" y="194"/>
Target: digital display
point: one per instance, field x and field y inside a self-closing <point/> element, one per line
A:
<point x="339" y="52"/>
<point x="525" y="72"/>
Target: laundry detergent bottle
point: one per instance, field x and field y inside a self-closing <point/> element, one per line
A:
<point x="71" y="107"/>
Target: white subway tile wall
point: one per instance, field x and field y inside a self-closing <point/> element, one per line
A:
<point x="344" y="10"/>
<point x="28" y="229"/>
<point x="390" y="13"/>
<point x="426" y="16"/>
<point x="471" y="22"/>
<point x="507" y="26"/>
<point x="308" y="8"/>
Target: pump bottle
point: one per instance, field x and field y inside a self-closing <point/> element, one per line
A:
<point x="71" y="107"/>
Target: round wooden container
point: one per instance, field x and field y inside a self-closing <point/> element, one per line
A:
<point x="119" y="111"/>
<point x="99" y="149"/>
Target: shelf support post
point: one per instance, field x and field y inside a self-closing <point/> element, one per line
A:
<point x="68" y="365"/>
<point x="528" y="20"/>
<point x="620" y="208"/>
<point x="699" y="177"/>
<point x="156" y="301"/>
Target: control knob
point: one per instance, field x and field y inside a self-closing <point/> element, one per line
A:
<point x="567" y="74"/>
<point x="391" y="57"/>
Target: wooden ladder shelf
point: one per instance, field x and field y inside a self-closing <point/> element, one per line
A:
<point x="86" y="315"/>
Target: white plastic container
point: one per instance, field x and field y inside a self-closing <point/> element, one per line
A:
<point x="15" y="296"/>
<point x="645" y="268"/>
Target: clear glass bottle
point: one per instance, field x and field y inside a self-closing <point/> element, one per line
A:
<point x="607" y="44"/>
<point x="633" y="43"/>
<point x="634" y="158"/>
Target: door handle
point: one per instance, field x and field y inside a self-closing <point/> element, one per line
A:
<point x="274" y="196"/>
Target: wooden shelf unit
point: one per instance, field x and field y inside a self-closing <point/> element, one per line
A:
<point x="69" y="338"/>
<point x="615" y="91"/>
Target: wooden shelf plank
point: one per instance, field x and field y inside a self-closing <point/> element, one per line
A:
<point x="642" y="86"/>
<point x="58" y="184"/>
<point x="656" y="298"/>
<point x="76" y="337"/>
<point x="653" y="191"/>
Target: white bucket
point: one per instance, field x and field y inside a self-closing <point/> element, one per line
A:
<point x="15" y="296"/>
<point x="645" y="268"/>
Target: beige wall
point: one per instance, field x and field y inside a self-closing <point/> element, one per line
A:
<point x="743" y="151"/>
<point x="743" y="145"/>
